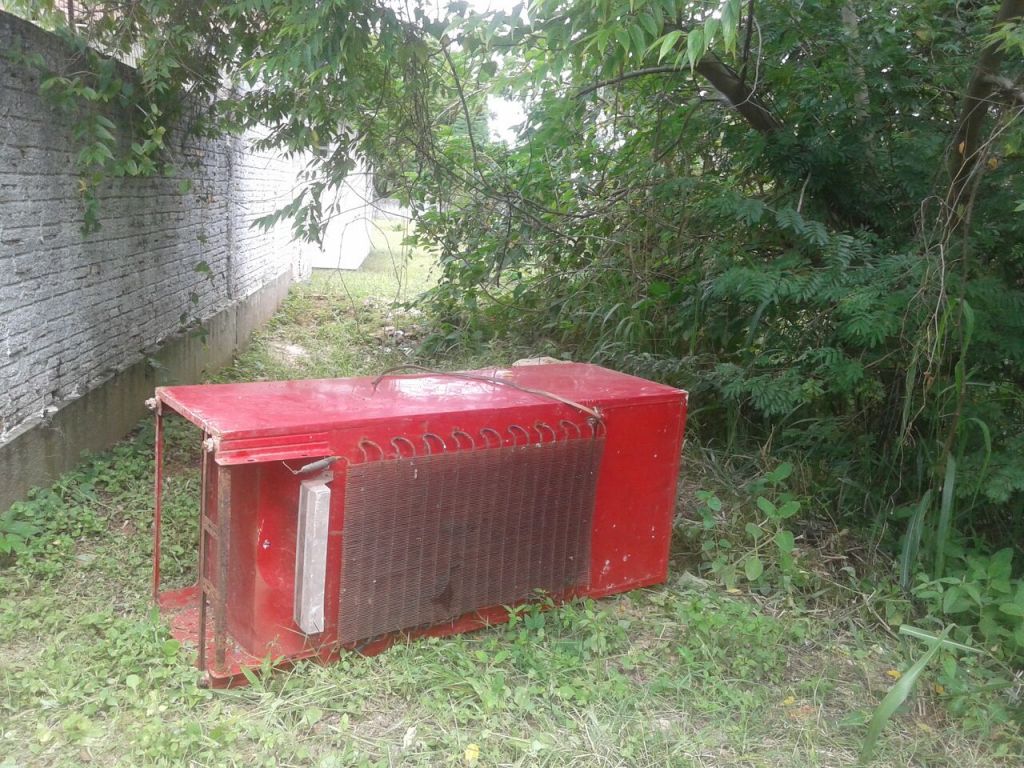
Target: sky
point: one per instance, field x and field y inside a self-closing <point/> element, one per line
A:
<point x="505" y="114"/>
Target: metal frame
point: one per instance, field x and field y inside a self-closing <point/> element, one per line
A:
<point x="158" y="491"/>
<point x="215" y="482"/>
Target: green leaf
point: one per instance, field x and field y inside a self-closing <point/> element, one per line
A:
<point x="930" y="637"/>
<point x="666" y="43"/>
<point x="896" y="696"/>
<point x="132" y="681"/>
<point x="780" y="473"/>
<point x="969" y="322"/>
<point x="971" y="588"/>
<point x="766" y="506"/>
<point x="51" y="82"/>
<point x="953" y="601"/>
<point x="711" y="27"/>
<point x="942" y="530"/>
<point x="788" y="509"/>
<point x="170" y="647"/>
<point x="785" y="541"/>
<point x="912" y="540"/>
<point x="753" y="568"/>
<point x="312" y="715"/>
<point x="251" y="676"/>
<point x="754" y="531"/>
<point x="648" y="23"/>
<point x="636" y="33"/>
<point x="695" y="46"/>
<point x="730" y="24"/>
<point x="1000" y="565"/>
<point x="19" y="528"/>
<point x="104" y="133"/>
<point x="623" y="39"/>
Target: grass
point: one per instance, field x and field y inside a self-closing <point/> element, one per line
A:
<point x="685" y="674"/>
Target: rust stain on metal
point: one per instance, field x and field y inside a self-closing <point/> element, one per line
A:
<point x="220" y="608"/>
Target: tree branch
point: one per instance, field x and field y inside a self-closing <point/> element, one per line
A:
<point x="666" y="69"/>
<point x="462" y="100"/>
<point x="746" y="42"/>
<point x="722" y="77"/>
<point x="1007" y="89"/>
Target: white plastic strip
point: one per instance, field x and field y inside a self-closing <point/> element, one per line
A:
<point x="311" y="553"/>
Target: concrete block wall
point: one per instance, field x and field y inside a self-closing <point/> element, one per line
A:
<point x="78" y="310"/>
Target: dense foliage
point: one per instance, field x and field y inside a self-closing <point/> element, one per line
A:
<point x="805" y="222"/>
<point x="799" y="216"/>
<point x="808" y="214"/>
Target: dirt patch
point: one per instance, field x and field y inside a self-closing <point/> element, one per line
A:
<point x="287" y="354"/>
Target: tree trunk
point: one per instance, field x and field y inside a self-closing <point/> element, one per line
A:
<point x="852" y="26"/>
<point x="967" y="142"/>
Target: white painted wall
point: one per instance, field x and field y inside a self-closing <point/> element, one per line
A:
<point x="346" y="242"/>
<point x="74" y="309"/>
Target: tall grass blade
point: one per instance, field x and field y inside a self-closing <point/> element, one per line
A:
<point x="945" y="516"/>
<point x="968" y="312"/>
<point x="908" y="396"/>
<point x="895" y="697"/>
<point x="912" y="542"/>
<point x="931" y="637"/>
<point x="987" y="436"/>
<point x="755" y="321"/>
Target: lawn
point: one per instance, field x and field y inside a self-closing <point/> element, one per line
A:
<point x="684" y="674"/>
